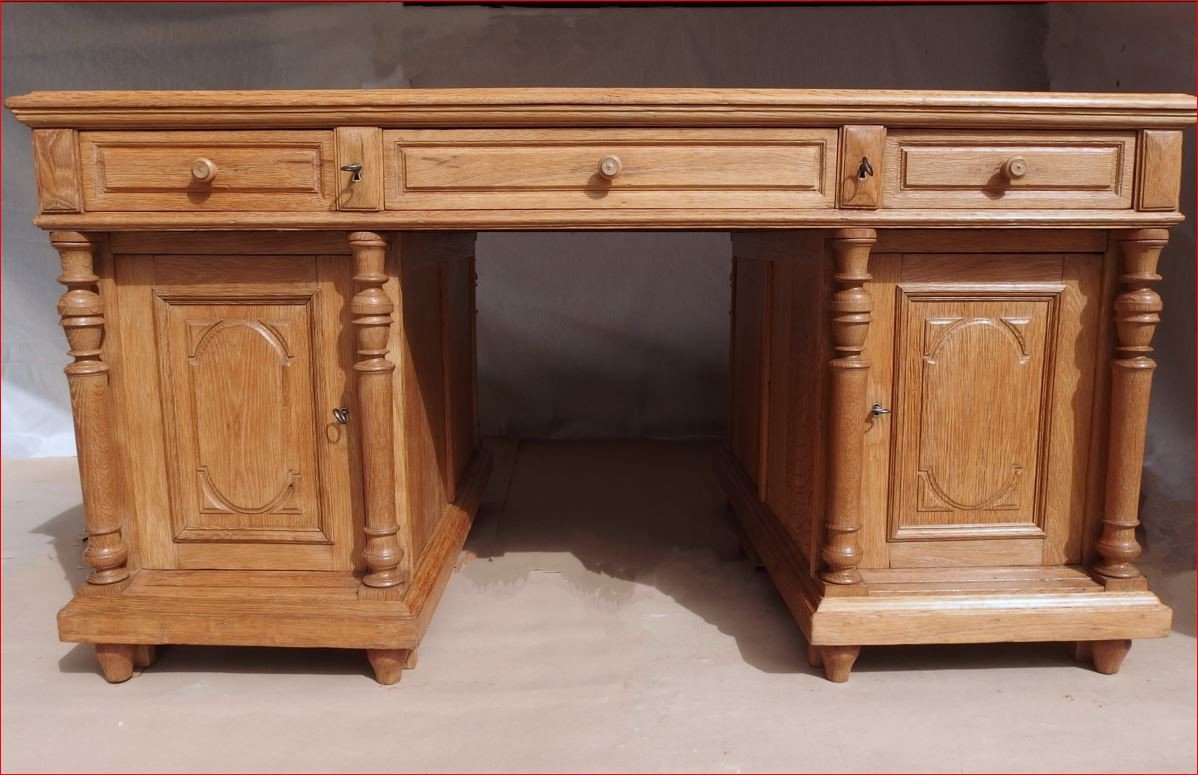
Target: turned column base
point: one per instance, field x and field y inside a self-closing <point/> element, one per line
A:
<point x="1106" y="656"/>
<point x="389" y="664"/>
<point x="837" y="661"/>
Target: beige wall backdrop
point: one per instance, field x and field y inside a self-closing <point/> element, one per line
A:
<point x="581" y="335"/>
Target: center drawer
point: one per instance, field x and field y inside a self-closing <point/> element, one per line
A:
<point x="573" y="169"/>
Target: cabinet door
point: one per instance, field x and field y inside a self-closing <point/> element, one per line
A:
<point x="250" y="359"/>
<point x="992" y="380"/>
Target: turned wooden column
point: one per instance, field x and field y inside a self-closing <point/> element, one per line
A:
<point x="82" y="316"/>
<point x="371" y="309"/>
<point x="1137" y="311"/>
<point x="850" y="308"/>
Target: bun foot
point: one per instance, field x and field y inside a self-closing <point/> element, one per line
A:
<point x="144" y="655"/>
<point x="1107" y="655"/>
<point x="837" y="661"/>
<point x="116" y="661"/>
<point x="389" y="664"/>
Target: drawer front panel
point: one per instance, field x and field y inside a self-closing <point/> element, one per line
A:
<point x="560" y="169"/>
<point x="1009" y="169"/>
<point x="168" y="171"/>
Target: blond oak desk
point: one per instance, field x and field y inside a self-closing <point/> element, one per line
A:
<point x="943" y="308"/>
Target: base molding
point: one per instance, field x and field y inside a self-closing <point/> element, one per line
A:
<point x="311" y="609"/>
<point x="991" y="605"/>
<point x="988" y="617"/>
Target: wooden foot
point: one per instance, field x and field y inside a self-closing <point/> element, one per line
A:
<point x="1107" y="655"/>
<point x="144" y="655"/>
<point x="389" y="664"/>
<point x="1080" y="650"/>
<point x="838" y="661"/>
<point x="814" y="656"/>
<point x="116" y="661"/>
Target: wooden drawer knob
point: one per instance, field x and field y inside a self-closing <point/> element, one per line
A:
<point x="1014" y="167"/>
<point x="203" y="170"/>
<point x="610" y="166"/>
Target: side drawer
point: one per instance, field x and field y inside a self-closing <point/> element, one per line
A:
<point x="968" y="169"/>
<point x="646" y="168"/>
<point x="169" y="171"/>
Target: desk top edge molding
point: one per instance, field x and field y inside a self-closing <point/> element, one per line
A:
<point x="600" y="107"/>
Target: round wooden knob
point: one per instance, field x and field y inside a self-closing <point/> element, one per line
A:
<point x="203" y="170"/>
<point x="610" y="166"/>
<point x="1015" y="167"/>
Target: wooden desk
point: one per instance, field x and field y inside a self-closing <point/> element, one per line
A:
<point x="940" y="360"/>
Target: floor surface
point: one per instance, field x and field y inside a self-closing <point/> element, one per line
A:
<point x="603" y="618"/>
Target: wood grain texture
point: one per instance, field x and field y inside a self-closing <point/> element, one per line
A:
<point x="879" y="441"/>
<point x="837" y="661"/>
<point x="81" y="311"/>
<point x="862" y="161"/>
<point x="1137" y="312"/>
<point x="970" y="362"/>
<point x="359" y="145"/>
<point x="794" y="450"/>
<point x="458" y="359"/>
<point x="56" y="164"/>
<point x="423" y="406"/>
<point x="555" y="168"/>
<point x="968" y="169"/>
<point x="257" y="464"/>
<point x="1108" y="655"/>
<point x="959" y="241"/>
<point x="988" y="617"/>
<point x="850" y="308"/>
<point x="277" y="608"/>
<point x="435" y="404"/>
<point x="266" y="171"/>
<point x="243" y="243"/>
<point x="226" y="501"/>
<point x="599" y="107"/>
<point x="613" y="218"/>
<point x="944" y="605"/>
<point x="116" y="661"/>
<point x="1159" y="170"/>
<point x="371" y="310"/>
<point x="388" y="664"/>
<point x="749" y="359"/>
<point x="439" y="558"/>
<point x="1003" y="549"/>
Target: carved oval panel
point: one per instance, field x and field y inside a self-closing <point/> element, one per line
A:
<point x="240" y="386"/>
<point x="980" y="415"/>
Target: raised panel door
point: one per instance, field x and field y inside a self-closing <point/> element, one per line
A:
<point x="991" y="389"/>
<point x="973" y="378"/>
<point x="256" y="464"/>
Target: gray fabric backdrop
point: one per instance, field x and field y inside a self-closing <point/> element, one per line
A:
<point x="582" y="335"/>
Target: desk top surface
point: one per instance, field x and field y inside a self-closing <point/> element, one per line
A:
<point x="621" y="107"/>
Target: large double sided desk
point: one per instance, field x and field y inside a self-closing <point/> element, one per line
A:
<point x="941" y="348"/>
